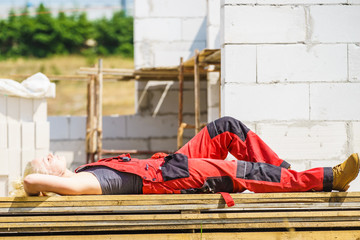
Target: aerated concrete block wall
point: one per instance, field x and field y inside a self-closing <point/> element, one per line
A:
<point x="291" y="68"/>
<point x="24" y="135"/>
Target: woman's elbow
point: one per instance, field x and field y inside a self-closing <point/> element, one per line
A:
<point x="31" y="184"/>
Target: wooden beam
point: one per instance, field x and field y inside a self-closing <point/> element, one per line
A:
<point x="197" y="92"/>
<point x="258" y="235"/>
<point x="99" y="92"/>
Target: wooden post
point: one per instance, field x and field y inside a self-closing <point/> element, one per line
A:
<point x="180" y="115"/>
<point x="90" y="121"/>
<point x="197" y="92"/>
<point x="99" y="87"/>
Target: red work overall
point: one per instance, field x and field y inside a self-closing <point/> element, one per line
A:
<point x="198" y="166"/>
<point x="230" y="135"/>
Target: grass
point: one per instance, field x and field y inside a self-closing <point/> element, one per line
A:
<point x="118" y="97"/>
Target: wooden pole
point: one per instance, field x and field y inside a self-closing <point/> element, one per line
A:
<point x="197" y="91"/>
<point x="180" y="115"/>
<point x="90" y="121"/>
<point x="99" y="87"/>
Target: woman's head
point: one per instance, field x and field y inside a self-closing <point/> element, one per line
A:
<point x="51" y="165"/>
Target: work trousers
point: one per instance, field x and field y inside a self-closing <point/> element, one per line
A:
<point x="263" y="170"/>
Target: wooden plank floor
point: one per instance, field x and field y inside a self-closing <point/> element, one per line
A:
<point x="172" y="214"/>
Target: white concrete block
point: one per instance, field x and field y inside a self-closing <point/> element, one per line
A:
<point x="3" y="104"/>
<point x="335" y="101"/>
<point x="168" y="54"/>
<point x="42" y="135"/>
<point x="335" y="23"/>
<point x="13" y="109"/>
<point x="237" y="2"/>
<point x="354" y="62"/>
<point x="126" y="144"/>
<point x="277" y="24"/>
<point x="40" y="153"/>
<point x="239" y="63"/>
<point x="4" y="161"/>
<point x="143" y="54"/>
<point x="14" y="135"/>
<point x="213" y="12"/>
<point x="59" y="127"/>
<point x="165" y="53"/>
<point x="40" y="110"/>
<point x="78" y="127"/>
<point x="354" y="138"/>
<point x="193" y="29"/>
<point x="72" y="150"/>
<point x="304" y="141"/>
<point x="157" y="29"/>
<point x="3" y="135"/>
<point x="256" y="102"/>
<point x="114" y="126"/>
<point x="26" y="110"/>
<point x="299" y="166"/>
<point x="326" y="163"/>
<point x="26" y="157"/>
<point x="174" y="8"/>
<point x="213" y="96"/>
<point x="354" y="186"/>
<point x="141" y="8"/>
<point x="161" y="144"/>
<point x="27" y="136"/>
<point x="302" y="63"/>
<point x="14" y="163"/>
<point x="147" y="126"/>
<point x="213" y="37"/>
<point x="4" y="190"/>
<point x="170" y="103"/>
<point x="301" y="1"/>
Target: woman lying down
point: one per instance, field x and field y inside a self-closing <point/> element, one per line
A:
<point x="198" y="167"/>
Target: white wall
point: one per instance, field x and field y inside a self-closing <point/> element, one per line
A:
<point x="24" y="135"/>
<point x="292" y="68"/>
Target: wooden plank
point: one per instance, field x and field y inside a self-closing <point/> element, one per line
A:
<point x="308" y="235"/>
<point x="168" y="198"/>
<point x="118" y="226"/>
<point x="121" y="202"/>
<point x="239" y="217"/>
<point x="172" y="208"/>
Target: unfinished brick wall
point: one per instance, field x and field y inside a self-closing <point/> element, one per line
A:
<point x="291" y="69"/>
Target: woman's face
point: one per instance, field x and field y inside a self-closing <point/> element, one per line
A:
<point x="52" y="165"/>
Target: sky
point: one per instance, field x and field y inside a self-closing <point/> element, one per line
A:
<point x="94" y="8"/>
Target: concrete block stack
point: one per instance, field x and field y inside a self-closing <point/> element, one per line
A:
<point x="24" y="135"/>
<point x="292" y="68"/>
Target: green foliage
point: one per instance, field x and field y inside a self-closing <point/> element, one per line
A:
<point x="44" y="35"/>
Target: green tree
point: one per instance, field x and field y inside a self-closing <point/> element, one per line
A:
<point x="43" y="35"/>
<point x="115" y="36"/>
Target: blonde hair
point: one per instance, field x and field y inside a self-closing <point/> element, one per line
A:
<point x="18" y="184"/>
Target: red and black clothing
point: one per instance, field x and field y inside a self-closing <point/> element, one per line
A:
<point x="198" y="167"/>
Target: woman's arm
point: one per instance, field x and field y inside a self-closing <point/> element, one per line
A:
<point x="76" y="184"/>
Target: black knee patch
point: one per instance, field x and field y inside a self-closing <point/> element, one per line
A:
<point x="258" y="171"/>
<point x="213" y="185"/>
<point x="228" y="124"/>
